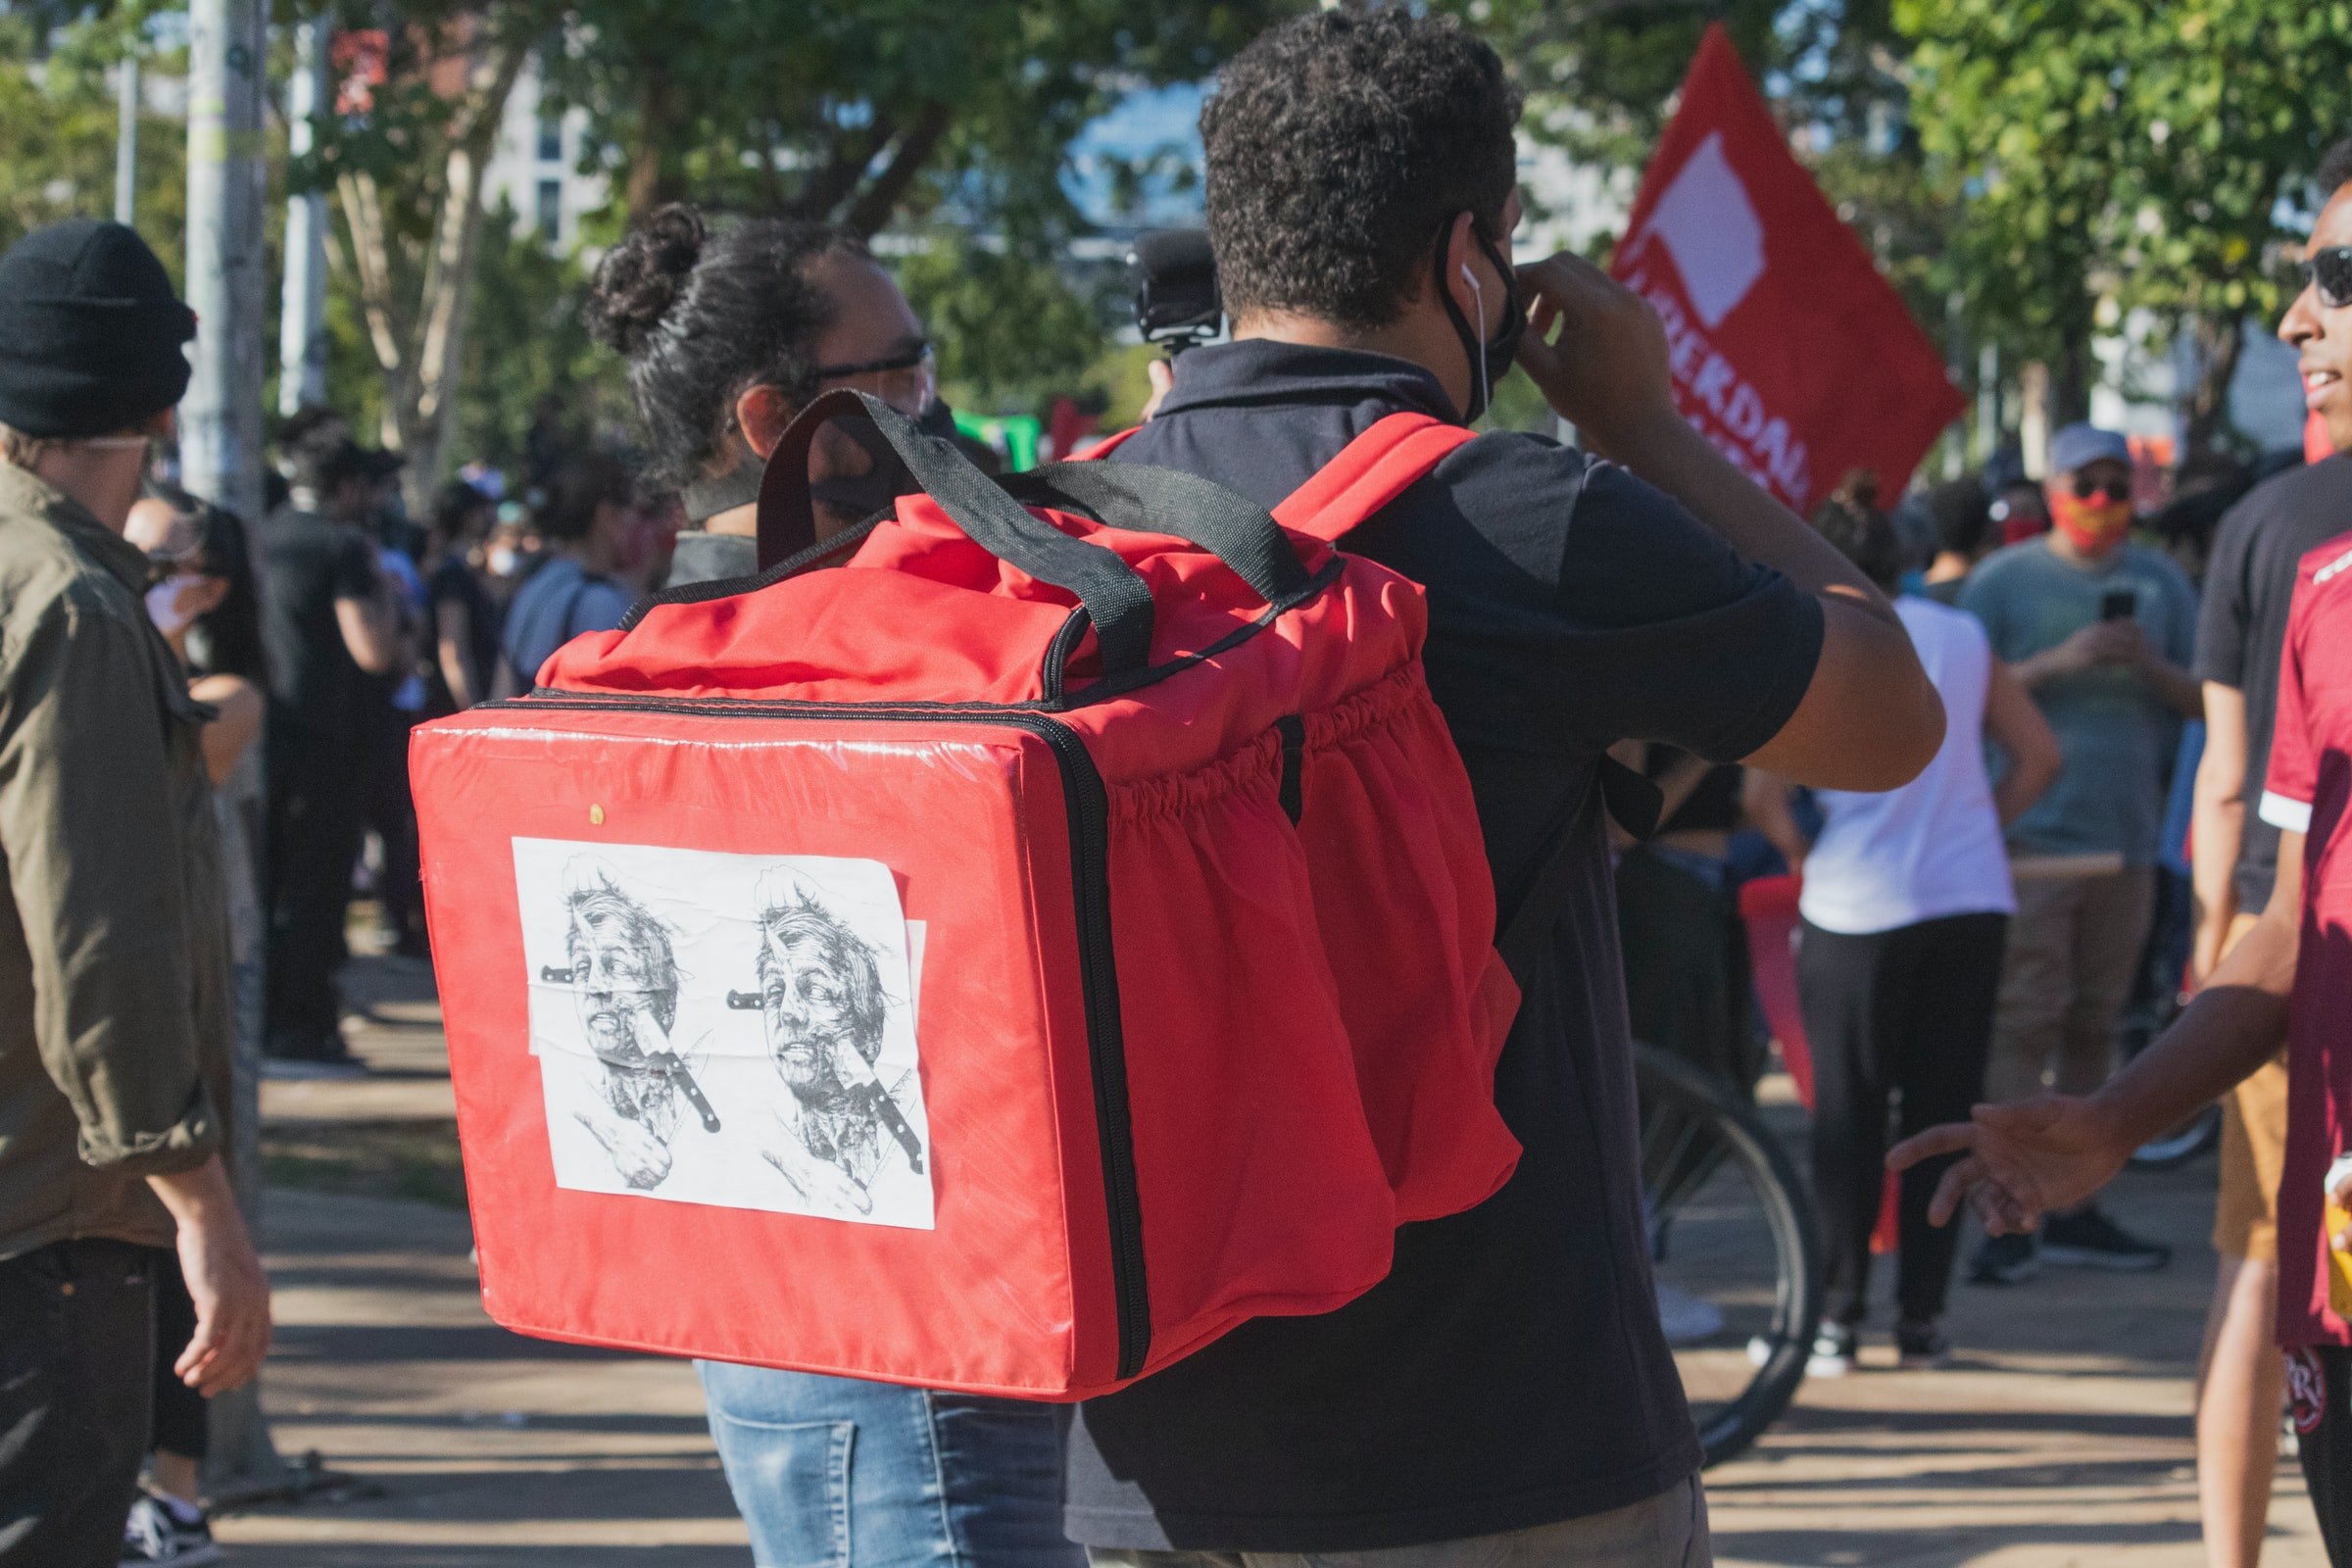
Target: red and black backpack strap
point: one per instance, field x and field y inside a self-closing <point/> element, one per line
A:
<point x="1370" y="472"/>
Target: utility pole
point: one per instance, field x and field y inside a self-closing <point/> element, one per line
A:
<point x="220" y="418"/>
<point x="221" y="461"/>
<point x="126" y="142"/>
<point x="302" y="312"/>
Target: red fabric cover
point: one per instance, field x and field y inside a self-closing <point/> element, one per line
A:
<point x="1312" y="1014"/>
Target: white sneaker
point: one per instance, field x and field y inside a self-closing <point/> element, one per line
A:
<point x="1833" y="1348"/>
<point x="158" y="1534"/>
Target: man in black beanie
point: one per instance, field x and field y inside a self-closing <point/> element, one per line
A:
<point x="114" y="977"/>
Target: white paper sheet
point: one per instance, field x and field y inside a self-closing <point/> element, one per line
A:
<point x="731" y="1029"/>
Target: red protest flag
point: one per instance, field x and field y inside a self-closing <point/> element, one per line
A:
<point x="1789" y="351"/>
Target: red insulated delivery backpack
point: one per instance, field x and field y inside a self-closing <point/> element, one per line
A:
<point x="1004" y="962"/>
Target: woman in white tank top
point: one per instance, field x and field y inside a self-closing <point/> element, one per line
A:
<point x="1906" y="904"/>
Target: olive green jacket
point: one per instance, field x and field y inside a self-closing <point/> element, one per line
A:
<point x="113" y="953"/>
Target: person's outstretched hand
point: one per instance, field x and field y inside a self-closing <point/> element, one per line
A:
<point x="232" y="1294"/>
<point x="1605" y="370"/>
<point x="225" y="1279"/>
<point x="2018" y="1160"/>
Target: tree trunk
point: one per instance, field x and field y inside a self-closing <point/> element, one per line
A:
<point x="879" y="201"/>
<point x="652" y="180"/>
<point x="2217" y="337"/>
<point x="373" y="271"/>
<point x="2071" y="381"/>
<point x="2034" y="417"/>
<point x="845" y="164"/>
<point x="448" y="290"/>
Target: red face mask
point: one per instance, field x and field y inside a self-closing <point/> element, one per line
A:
<point x="2093" y="526"/>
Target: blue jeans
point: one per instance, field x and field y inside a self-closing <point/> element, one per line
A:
<point x="839" y="1473"/>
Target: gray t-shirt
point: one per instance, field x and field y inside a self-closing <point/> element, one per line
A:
<point x="2115" y="735"/>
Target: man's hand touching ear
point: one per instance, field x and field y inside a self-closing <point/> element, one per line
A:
<point x="1597" y="352"/>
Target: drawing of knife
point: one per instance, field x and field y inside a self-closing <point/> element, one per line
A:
<point x="893" y="1118"/>
<point x="667" y="1061"/>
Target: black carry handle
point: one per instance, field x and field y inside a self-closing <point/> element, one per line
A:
<point x="1183" y="506"/>
<point x="1116" y="600"/>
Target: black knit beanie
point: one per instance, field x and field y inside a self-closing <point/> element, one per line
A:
<point x="90" y="332"/>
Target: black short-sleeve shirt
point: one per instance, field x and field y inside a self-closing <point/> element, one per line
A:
<point x="306" y="563"/>
<point x="1510" y="1371"/>
<point x="2241" y="624"/>
<point x="455" y="582"/>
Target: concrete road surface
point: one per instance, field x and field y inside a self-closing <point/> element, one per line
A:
<point x="2061" y="1437"/>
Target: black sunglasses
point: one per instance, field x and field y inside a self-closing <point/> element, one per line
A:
<point x="2108" y="489"/>
<point x="906" y="360"/>
<point x="2331" y="270"/>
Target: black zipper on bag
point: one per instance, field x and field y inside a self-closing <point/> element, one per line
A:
<point x="1089" y="810"/>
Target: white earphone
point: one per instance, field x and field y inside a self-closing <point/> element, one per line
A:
<point x="1478" y="305"/>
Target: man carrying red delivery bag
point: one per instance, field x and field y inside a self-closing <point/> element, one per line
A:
<point x="1509" y="1378"/>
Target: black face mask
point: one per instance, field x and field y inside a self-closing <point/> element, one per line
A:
<point x="885" y="478"/>
<point x="1489" y="360"/>
<point x="863" y="495"/>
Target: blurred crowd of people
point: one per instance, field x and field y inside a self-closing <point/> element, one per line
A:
<point x="1979" y="725"/>
<point x="362" y="621"/>
<point x="2034" y="910"/>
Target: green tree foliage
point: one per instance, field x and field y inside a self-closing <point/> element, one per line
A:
<point x="857" y="111"/>
<point x="57" y="136"/>
<point x="2149" y="151"/>
<point x="1600" y="74"/>
<point x="1012" y="329"/>
<point x="406" y="154"/>
<point x="529" y="340"/>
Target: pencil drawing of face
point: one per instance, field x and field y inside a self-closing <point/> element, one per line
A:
<point x="726" y="1029"/>
<point x="625" y="986"/>
<point x="821" y="997"/>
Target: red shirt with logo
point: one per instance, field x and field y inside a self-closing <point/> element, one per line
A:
<point x="2307" y="791"/>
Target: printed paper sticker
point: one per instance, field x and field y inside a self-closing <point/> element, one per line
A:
<point x="731" y="1029"/>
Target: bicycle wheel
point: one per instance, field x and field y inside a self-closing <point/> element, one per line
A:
<point x="1733" y="1249"/>
<point x="2182" y="1143"/>
<point x="2178" y="1144"/>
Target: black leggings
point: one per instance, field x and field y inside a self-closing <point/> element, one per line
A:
<point x="180" y="1425"/>
<point x="1908" y="1011"/>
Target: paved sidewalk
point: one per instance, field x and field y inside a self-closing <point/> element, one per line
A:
<point x="479" y="1448"/>
<point x="490" y="1450"/>
<point x="2061" y="1437"/>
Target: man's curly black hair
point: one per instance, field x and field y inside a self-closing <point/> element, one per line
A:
<point x="1337" y="143"/>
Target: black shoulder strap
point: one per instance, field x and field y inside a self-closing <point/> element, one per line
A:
<point x="1524" y="934"/>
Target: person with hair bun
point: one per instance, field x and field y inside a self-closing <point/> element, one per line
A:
<point x="729" y="332"/>
<point x="1906" y="908"/>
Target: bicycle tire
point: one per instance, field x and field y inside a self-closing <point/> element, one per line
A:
<point x="2182" y="1144"/>
<point x="1677" y="1097"/>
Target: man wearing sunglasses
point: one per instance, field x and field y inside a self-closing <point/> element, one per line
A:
<point x="2100" y="631"/>
<point x="2287" y="982"/>
<point x="2242" y="635"/>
